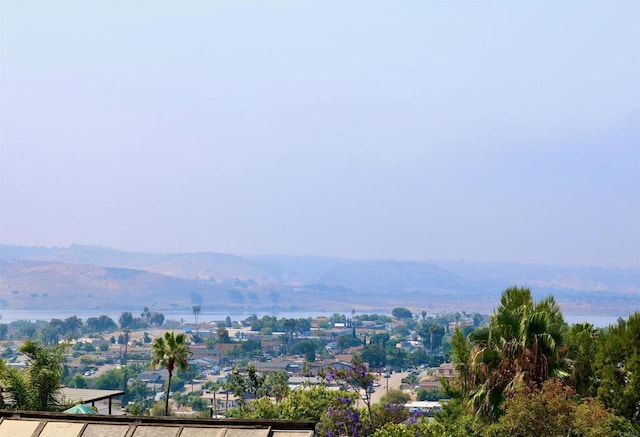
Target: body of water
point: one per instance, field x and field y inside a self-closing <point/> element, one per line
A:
<point x="597" y="321"/>
<point x="11" y="315"/>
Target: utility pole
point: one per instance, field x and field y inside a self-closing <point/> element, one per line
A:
<point x="386" y="375"/>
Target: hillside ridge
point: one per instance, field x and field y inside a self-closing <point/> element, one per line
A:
<point x="89" y="276"/>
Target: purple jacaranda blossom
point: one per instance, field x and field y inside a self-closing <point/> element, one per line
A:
<point x="344" y="400"/>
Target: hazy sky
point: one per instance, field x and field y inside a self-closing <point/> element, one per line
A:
<point x="488" y="131"/>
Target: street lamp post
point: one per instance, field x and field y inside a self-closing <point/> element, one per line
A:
<point x="386" y="375"/>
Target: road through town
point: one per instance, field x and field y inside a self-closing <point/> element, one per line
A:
<point x="394" y="381"/>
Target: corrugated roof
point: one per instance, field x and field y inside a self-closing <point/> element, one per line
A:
<point x="16" y="427"/>
<point x="105" y="430"/>
<point x="60" y="429"/>
<point x="46" y="424"/>
<point x="203" y="432"/>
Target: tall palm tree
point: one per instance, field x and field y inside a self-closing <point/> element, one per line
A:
<point x="432" y="331"/>
<point x="170" y="352"/>
<point x="289" y="326"/>
<point x="196" y="312"/>
<point x="125" y="339"/>
<point x="523" y="345"/>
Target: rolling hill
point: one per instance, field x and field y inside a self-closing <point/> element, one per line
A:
<point x="99" y="278"/>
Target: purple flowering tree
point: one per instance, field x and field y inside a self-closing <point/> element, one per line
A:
<point x="359" y="380"/>
<point x="344" y="419"/>
<point x="341" y="419"/>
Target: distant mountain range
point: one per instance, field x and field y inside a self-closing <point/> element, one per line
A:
<point x="87" y="277"/>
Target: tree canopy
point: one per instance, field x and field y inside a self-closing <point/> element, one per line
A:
<point x="616" y="368"/>
<point x="401" y="313"/>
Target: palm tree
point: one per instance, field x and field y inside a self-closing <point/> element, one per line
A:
<point x="170" y="351"/>
<point x="484" y="388"/>
<point x="289" y="326"/>
<point x="432" y="331"/>
<point x="196" y="312"/>
<point x="125" y="339"/>
<point x="342" y="341"/>
<point x="523" y="346"/>
<point x="36" y="387"/>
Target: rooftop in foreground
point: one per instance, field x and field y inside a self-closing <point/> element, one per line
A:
<point x="41" y="424"/>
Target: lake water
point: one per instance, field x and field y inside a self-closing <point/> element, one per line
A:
<point x="597" y="321"/>
<point x="11" y="315"/>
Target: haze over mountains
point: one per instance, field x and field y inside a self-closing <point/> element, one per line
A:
<point x="87" y="277"/>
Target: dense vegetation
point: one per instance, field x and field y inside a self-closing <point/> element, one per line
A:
<point x="523" y="373"/>
<point x="527" y="373"/>
<point x="527" y="364"/>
